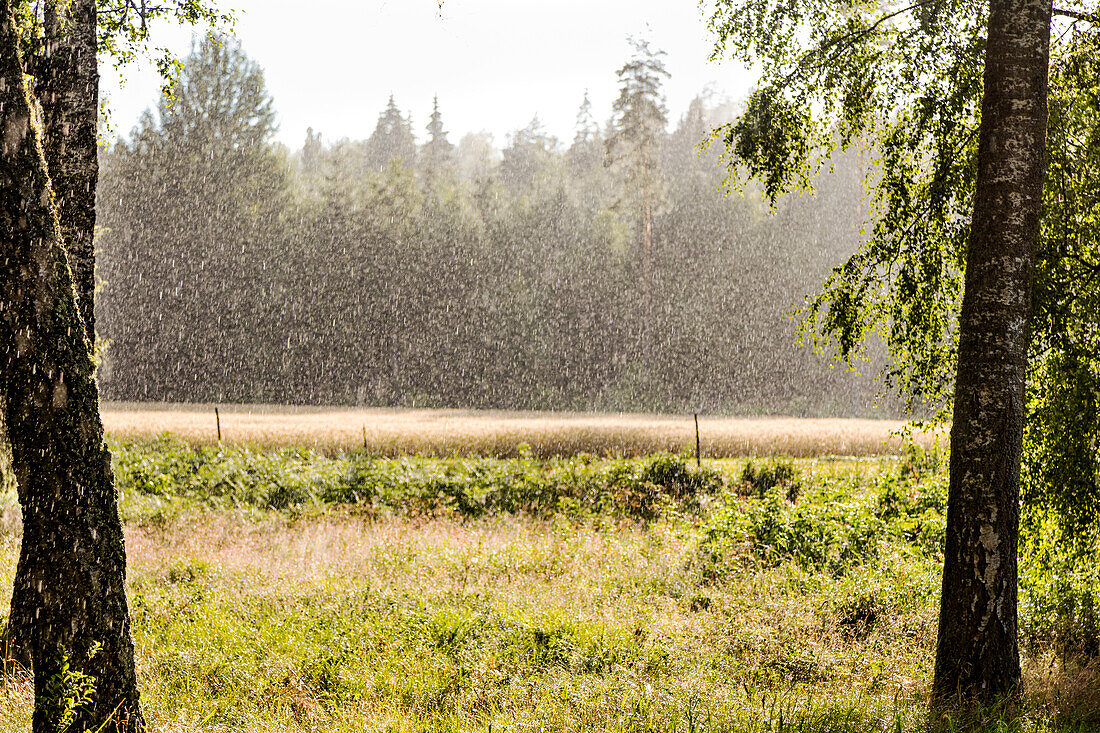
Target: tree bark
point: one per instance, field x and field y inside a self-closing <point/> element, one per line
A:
<point x="67" y="87"/>
<point x="73" y="559"/>
<point x="977" y="655"/>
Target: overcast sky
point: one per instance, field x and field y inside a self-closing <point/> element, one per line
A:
<point x="495" y="64"/>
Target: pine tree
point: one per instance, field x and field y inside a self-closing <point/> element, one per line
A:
<point x="438" y="149"/>
<point x="638" y="121"/>
<point x="392" y="138"/>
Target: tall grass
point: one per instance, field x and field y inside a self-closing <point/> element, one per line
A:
<point x="469" y="594"/>
<point x="393" y="432"/>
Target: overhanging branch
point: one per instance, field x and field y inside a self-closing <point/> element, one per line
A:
<point x="1077" y="15"/>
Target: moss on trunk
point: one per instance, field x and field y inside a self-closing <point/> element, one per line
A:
<point x="67" y="87"/>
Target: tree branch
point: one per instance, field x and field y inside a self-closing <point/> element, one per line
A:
<point x="1077" y="15"/>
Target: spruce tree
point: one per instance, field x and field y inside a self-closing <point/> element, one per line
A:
<point x="438" y="149"/>
<point x="638" y="122"/>
<point x="587" y="149"/>
<point x="392" y="138"/>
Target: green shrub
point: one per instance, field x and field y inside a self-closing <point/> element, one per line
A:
<point x="151" y="474"/>
<point x="759" y="481"/>
<point x="67" y="691"/>
<point x="829" y="538"/>
<point x="842" y="527"/>
<point x="920" y="463"/>
<point x="1059" y="588"/>
<point x="678" y="478"/>
<point x="915" y="513"/>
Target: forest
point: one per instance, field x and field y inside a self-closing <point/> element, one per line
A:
<point x="409" y="269"/>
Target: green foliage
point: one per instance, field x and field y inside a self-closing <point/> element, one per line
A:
<point x="905" y="84"/>
<point x="770" y="137"/>
<point x="1059" y="588"/>
<point x="761" y="480"/>
<point x="222" y="478"/>
<point x="154" y="476"/>
<point x="1062" y="466"/>
<point x="124" y="29"/>
<point x="835" y="529"/>
<point x="832" y="540"/>
<point x="1062" y="439"/>
<point x="66" y="691"/>
<point x="675" y="474"/>
<point x="920" y="462"/>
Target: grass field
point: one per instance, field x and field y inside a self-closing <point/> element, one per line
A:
<point x="444" y="432"/>
<point x="289" y="591"/>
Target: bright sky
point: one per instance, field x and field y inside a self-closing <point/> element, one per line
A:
<point x="495" y="64"/>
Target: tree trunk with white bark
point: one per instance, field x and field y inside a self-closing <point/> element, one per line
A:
<point x="977" y="655"/>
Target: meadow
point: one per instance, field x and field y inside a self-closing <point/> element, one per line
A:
<point x="441" y="432"/>
<point x="289" y="590"/>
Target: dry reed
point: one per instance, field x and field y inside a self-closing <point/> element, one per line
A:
<point x="394" y="431"/>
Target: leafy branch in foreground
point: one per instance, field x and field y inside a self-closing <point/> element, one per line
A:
<point x="830" y="69"/>
<point x="903" y="84"/>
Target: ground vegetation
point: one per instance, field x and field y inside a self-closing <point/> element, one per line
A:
<point x="290" y="591"/>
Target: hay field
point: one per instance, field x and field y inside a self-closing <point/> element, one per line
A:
<point x="395" y="431"/>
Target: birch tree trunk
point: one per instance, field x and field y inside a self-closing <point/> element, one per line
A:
<point x="67" y="87"/>
<point x="73" y="563"/>
<point x="977" y="656"/>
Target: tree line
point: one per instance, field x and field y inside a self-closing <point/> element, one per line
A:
<point x="610" y="272"/>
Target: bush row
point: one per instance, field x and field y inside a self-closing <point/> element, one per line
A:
<point x="222" y="477"/>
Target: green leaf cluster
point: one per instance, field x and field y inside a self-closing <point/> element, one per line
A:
<point x="124" y="28"/>
<point x="903" y="83"/>
<point x="834" y="527"/>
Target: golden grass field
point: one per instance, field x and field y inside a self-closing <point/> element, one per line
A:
<point x="397" y="431"/>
